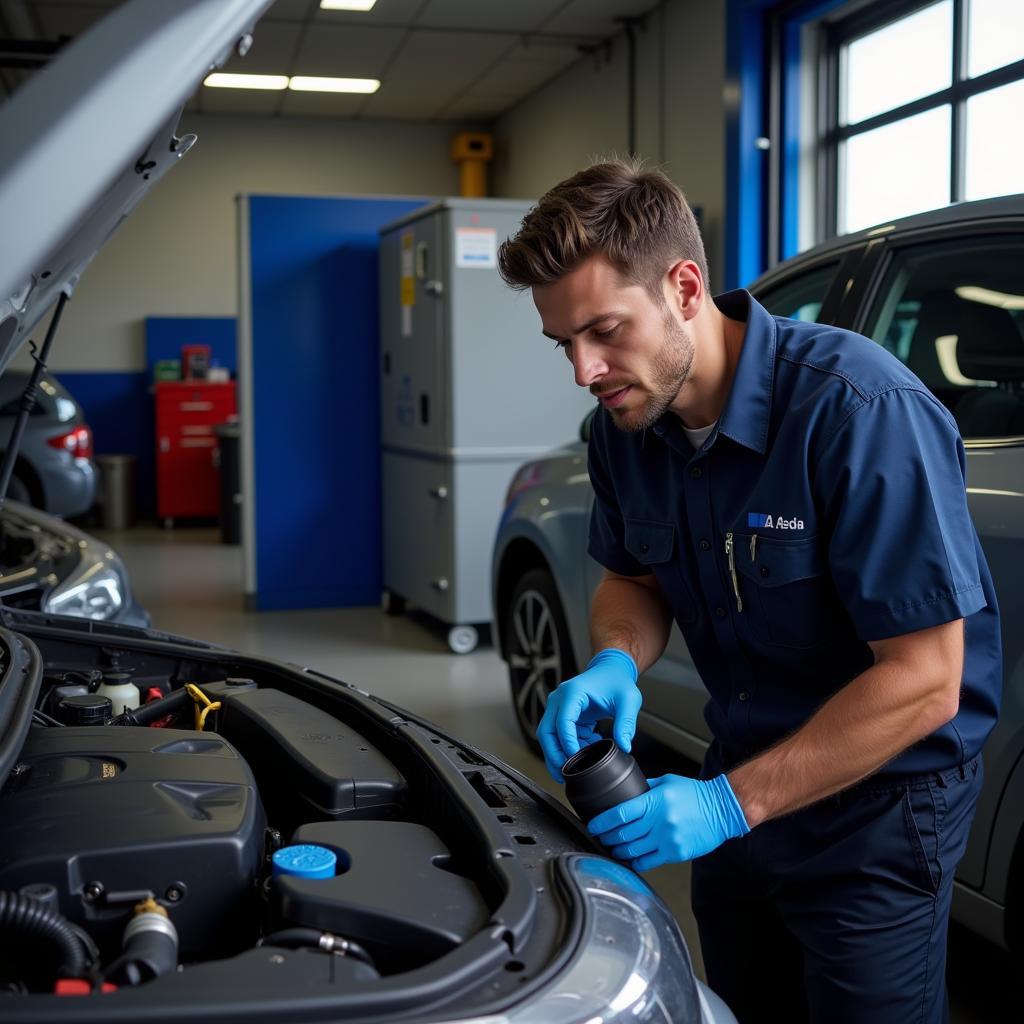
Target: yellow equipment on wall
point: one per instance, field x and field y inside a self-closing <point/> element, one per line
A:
<point x="472" y="151"/>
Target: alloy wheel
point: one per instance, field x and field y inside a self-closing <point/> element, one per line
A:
<point x="535" y="657"/>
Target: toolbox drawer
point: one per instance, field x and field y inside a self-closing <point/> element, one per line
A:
<point x="188" y="450"/>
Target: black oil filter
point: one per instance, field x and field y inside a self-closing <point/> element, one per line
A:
<point x="601" y="776"/>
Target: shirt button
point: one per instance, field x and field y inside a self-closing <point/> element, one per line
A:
<point x="644" y="548"/>
<point x="764" y="570"/>
<point x="705" y="545"/>
<point x="720" y="612"/>
<point x="696" y="472"/>
<point x="743" y="695"/>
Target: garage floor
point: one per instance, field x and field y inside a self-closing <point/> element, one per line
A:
<point x="192" y="585"/>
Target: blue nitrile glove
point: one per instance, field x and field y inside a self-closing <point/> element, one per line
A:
<point x="679" y="819"/>
<point x="606" y="688"/>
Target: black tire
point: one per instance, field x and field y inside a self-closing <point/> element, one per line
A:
<point x="537" y="648"/>
<point x="17" y="490"/>
<point x="392" y="603"/>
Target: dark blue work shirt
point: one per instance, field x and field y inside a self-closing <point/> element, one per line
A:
<point x="827" y="508"/>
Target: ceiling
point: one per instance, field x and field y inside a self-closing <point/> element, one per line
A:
<point x="437" y="60"/>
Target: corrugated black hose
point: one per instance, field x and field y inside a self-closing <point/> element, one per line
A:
<point x="27" y="917"/>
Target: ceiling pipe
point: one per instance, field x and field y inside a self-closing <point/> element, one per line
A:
<point x="631" y="24"/>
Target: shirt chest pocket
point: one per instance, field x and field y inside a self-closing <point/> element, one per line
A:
<point x="788" y="597"/>
<point x="653" y="545"/>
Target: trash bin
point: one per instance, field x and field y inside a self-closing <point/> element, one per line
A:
<point x="229" y="441"/>
<point x="117" y="490"/>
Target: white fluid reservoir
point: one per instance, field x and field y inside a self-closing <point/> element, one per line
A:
<point x="123" y="693"/>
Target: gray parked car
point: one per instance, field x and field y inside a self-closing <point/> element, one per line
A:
<point x="944" y="292"/>
<point x="48" y="565"/>
<point x="55" y="470"/>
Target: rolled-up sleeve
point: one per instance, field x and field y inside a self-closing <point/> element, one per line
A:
<point x="892" y="483"/>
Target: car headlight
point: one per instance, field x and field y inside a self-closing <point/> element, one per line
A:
<point x="631" y="963"/>
<point x="98" y="593"/>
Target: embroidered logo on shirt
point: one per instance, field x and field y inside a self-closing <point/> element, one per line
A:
<point x="764" y="521"/>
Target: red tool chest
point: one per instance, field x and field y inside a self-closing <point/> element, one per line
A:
<point x="187" y="451"/>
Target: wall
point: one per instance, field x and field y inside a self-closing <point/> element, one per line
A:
<point x="679" y="116"/>
<point x="176" y="254"/>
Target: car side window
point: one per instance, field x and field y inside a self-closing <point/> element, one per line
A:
<point x="953" y="312"/>
<point x="799" y="297"/>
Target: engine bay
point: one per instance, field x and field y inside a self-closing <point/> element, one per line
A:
<point x="145" y="844"/>
<point x="107" y="818"/>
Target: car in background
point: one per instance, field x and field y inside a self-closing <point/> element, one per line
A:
<point x="48" y="565"/>
<point x="54" y="470"/>
<point x="248" y="840"/>
<point x="944" y="293"/>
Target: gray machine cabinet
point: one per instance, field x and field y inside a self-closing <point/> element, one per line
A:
<point x="470" y="389"/>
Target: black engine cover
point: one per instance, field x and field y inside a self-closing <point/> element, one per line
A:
<point x="176" y="813"/>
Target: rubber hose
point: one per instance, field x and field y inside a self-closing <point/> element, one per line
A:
<point x="29" y="917"/>
<point x="311" y="937"/>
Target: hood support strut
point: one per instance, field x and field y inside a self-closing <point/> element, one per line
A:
<point x="28" y="401"/>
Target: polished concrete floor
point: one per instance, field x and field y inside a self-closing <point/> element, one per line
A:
<point x="192" y="585"/>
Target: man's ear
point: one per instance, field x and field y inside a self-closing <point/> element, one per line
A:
<point x="684" y="288"/>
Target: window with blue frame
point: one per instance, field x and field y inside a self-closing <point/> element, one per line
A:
<point x="922" y="109"/>
<point x="844" y="114"/>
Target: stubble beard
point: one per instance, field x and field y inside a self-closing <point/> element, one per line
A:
<point x="670" y="370"/>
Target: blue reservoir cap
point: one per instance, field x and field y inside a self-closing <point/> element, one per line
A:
<point x="304" y="861"/>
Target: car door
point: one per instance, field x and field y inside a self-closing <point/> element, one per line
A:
<point x="952" y="309"/>
<point x="674" y="696"/>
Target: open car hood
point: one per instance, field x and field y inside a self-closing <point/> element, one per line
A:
<point x="90" y="134"/>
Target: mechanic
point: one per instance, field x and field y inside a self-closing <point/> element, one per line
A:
<point x="795" y="499"/>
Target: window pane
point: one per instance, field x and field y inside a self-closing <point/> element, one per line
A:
<point x="903" y="61"/>
<point x="996" y="35"/>
<point x="954" y="313"/>
<point x="896" y="170"/>
<point x="800" y="297"/>
<point x="995" y="150"/>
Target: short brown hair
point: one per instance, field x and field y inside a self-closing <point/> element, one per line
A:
<point x="638" y="218"/>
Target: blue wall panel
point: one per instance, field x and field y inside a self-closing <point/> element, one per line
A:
<point x="316" y="435"/>
<point x="745" y="120"/>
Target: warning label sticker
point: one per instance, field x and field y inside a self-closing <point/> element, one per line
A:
<point x="408" y="282"/>
<point x="476" y="247"/>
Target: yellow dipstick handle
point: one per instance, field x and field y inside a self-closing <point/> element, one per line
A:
<point x="203" y="704"/>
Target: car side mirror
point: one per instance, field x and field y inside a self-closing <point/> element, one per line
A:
<point x="585" y="425"/>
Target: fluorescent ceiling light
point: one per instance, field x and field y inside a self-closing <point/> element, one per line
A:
<point x="220" y="80"/>
<point x="302" y="83"/>
<point x="346" y="5"/>
<point x="975" y="293"/>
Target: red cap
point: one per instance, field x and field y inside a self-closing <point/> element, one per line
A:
<point x="79" y="987"/>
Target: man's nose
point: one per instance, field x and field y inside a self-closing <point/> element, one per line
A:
<point x="587" y="363"/>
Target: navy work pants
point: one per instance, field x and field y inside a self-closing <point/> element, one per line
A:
<point x="838" y="913"/>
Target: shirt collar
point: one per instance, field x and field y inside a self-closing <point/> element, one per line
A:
<point x="747" y="410"/>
